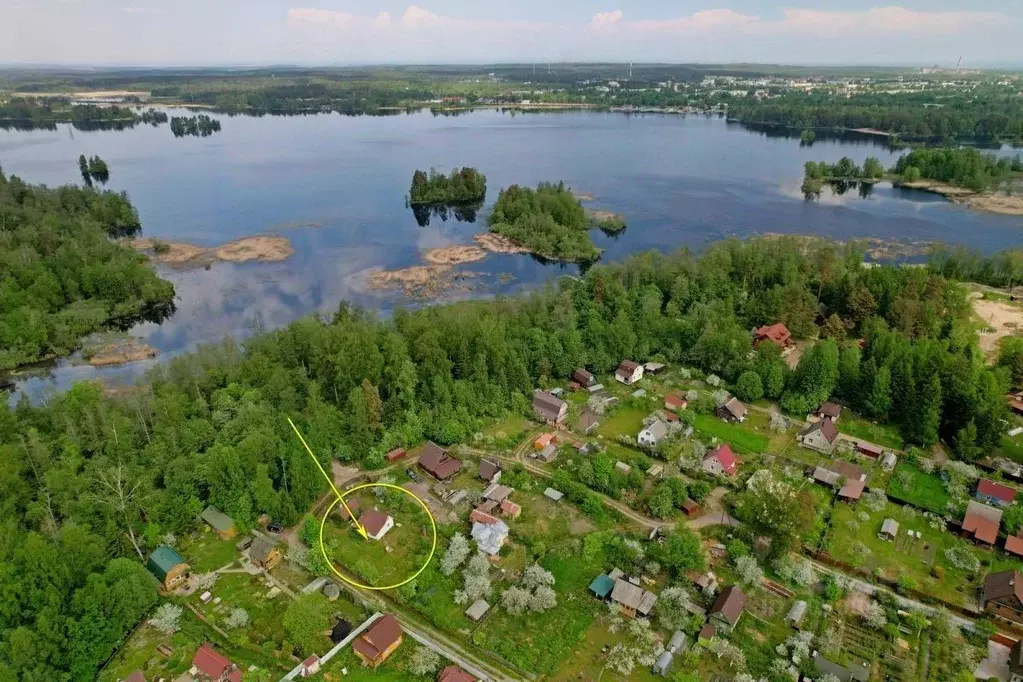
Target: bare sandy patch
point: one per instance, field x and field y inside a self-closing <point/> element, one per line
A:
<point x="264" y="249"/>
<point x="1002" y="318"/>
<point x="454" y="255"/>
<point x="989" y="202"/>
<point x="118" y="351"/>
<point x="606" y="215"/>
<point x="583" y="196"/>
<point x="496" y="243"/>
<point x="422" y="281"/>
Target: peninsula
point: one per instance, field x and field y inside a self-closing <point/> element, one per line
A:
<point x="983" y="182"/>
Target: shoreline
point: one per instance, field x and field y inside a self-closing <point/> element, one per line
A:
<point x="985" y="202"/>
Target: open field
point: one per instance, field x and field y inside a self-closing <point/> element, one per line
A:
<point x="854" y="541"/>
<point x="753" y="435"/>
<point x="926" y="491"/>
<point x="860" y="427"/>
<point x="396" y="555"/>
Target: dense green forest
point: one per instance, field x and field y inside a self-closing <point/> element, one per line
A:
<point x="464" y="185"/>
<point x="985" y="117"/>
<point x="61" y="274"/>
<point x="91" y="480"/>
<point x="961" y="166"/>
<point x="30" y="113"/>
<point x="549" y="221"/>
<point x="195" y="126"/>
<point x="1003" y="269"/>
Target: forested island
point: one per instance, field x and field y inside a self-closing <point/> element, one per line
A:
<point x="64" y="276"/>
<point x="195" y="126"/>
<point x="463" y="185"/>
<point x="549" y="221"/>
<point x="93" y="169"/>
<point x="209" y="428"/>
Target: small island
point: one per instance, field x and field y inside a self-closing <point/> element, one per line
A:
<point x="548" y="221"/>
<point x="609" y="222"/>
<point x="984" y="182"/>
<point x="462" y="186"/>
<point x="195" y="126"/>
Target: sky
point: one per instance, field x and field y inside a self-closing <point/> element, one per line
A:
<point x="328" y="32"/>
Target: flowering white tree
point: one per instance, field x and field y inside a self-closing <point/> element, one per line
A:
<point x="423" y="661"/>
<point x="713" y="380"/>
<point x="874" y="616"/>
<point x="671" y="608"/>
<point x="960" y="556"/>
<point x="730" y="654"/>
<point x="874" y="500"/>
<point x="206" y="581"/>
<point x="238" y="618"/>
<point x="543" y="599"/>
<point x="458" y="550"/>
<point x="475" y="580"/>
<point x="166" y="618"/>
<point x="515" y="599"/>
<point x="536" y="576"/>
<point x="748" y="570"/>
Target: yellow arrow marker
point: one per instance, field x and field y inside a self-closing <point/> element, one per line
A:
<point x="358" y="526"/>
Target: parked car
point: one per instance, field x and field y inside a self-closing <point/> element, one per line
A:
<point x="411" y="474"/>
<point x="275" y="527"/>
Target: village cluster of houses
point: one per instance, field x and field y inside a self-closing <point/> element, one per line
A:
<point x="208" y="665"/>
<point x="634" y="601"/>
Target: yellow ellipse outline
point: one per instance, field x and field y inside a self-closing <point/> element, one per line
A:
<point x="429" y="515"/>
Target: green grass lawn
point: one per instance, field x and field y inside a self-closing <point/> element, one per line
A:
<point x="904" y="558"/>
<point x="1011" y="448"/>
<point x="205" y="552"/>
<point x="926" y="491"/>
<point x="626" y="421"/>
<point x="587" y="661"/>
<point x="392" y="558"/>
<point x="753" y="435"/>
<point x="886" y="435"/>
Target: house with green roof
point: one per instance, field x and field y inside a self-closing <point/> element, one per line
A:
<point x="168" y="566"/>
<point x="601" y="586"/>
<point x="220" y="522"/>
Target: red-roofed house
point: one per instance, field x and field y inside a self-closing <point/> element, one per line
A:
<point x="675" y="403"/>
<point x="543" y="440"/>
<point x="437" y="462"/>
<point x="1014" y="545"/>
<point x="376" y="523"/>
<point x="210" y="665"/>
<point x="720" y="461"/>
<point x="136" y="676"/>
<point x="453" y="673"/>
<point x="379" y="641"/>
<point x="995" y="493"/>
<point x="981" y="522"/>
<point x="776" y="333"/>
<point x="479" y="516"/>
<point x="310" y="666"/>
<point x="852" y="489"/>
<point x="510" y="509"/>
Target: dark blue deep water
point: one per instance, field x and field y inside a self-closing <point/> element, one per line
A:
<point x="335" y="187"/>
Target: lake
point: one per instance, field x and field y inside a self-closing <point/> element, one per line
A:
<point x="335" y="187"/>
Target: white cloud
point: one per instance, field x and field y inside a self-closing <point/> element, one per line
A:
<point x="298" y="16"/>
<point x="705" y="20"/>
<point x="603" y="21"/>
<point x="143" y="10"/>
<point x="889" y="20"/>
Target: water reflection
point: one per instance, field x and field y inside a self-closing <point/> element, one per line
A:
<point x="462" y="212"/>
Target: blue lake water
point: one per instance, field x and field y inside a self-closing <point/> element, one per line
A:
<point x="335" y="186"/>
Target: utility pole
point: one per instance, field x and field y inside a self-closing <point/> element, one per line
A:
<point x="958" y="64"/>
<point x="630" y="71"/>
